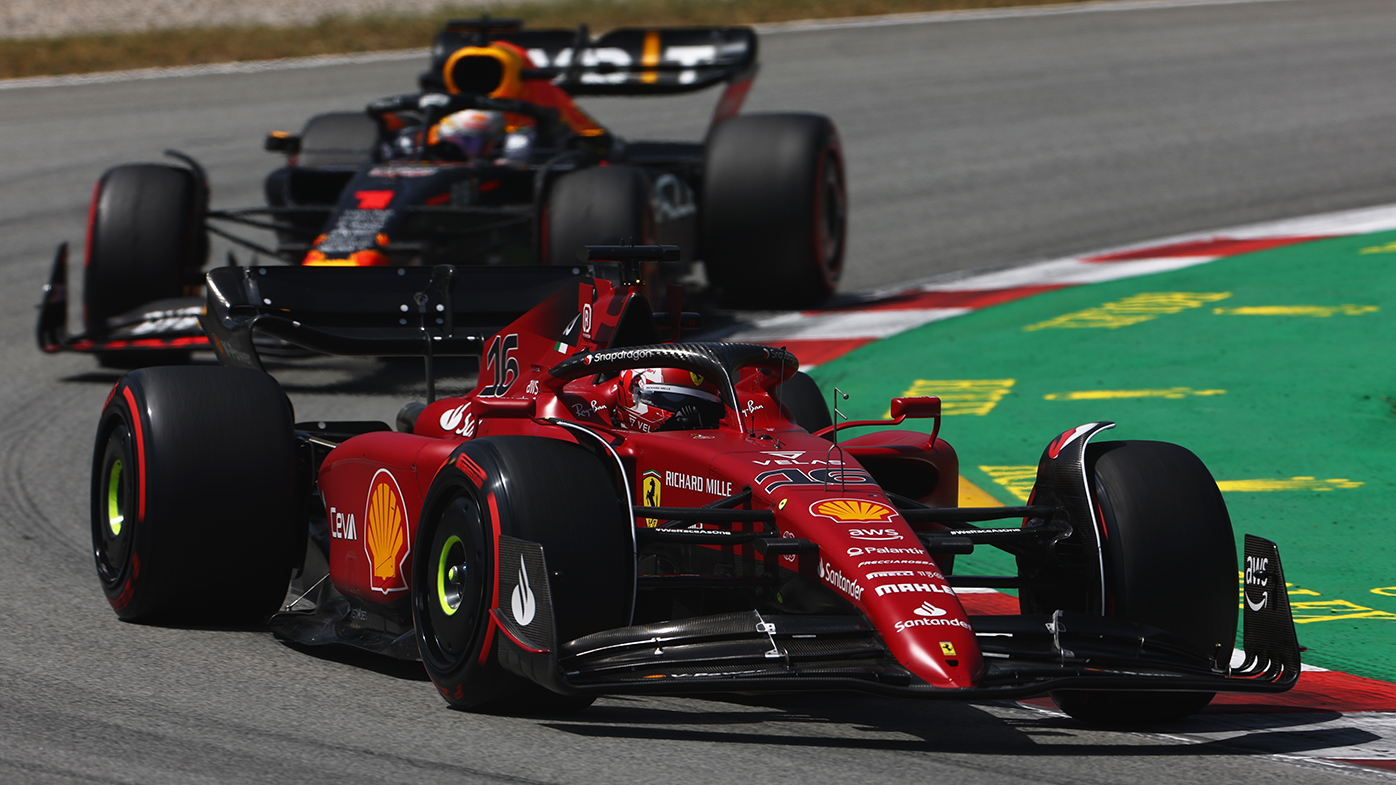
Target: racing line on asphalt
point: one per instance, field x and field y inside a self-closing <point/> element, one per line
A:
<point x="1225" y="342"/>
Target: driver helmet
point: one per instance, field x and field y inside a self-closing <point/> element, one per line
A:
<point x="666" y="399"/>
<point x="468" y="134"/>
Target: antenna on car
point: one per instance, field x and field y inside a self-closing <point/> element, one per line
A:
<point x="838" y="415"/>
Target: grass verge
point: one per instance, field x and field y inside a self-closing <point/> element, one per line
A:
<point x="88" y="53"/>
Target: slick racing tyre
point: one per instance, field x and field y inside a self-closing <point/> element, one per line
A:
<point x="146" y="241"/>
<point x="603" y="205"/>
<point x="553" y="493"/>
<point x="194" y="496"/>
<point x="774" y="210"/>
<point x="800" y="394"/>
<point x="1170" y="563"/>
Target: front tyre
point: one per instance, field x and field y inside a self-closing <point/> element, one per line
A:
<point x="146" y="242"/>
<point x="1166" y="525"/>
<point x="545" y="491"/>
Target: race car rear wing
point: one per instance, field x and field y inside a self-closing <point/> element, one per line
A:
<point x="371" y="311"/>
<point x="626" y="61"/>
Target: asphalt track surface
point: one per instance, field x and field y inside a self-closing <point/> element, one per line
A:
<point x="969" y="145"/>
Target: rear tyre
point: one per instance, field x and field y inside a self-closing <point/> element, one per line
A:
<point x="147" y="240"/>
<point x="194" y="496"/>
<point x="603" y="205"/>
<point x="801" y="395"/>
<point x="774" y="210"/>
<point x="541" y="490"/>
<point x="1166" y="525"/>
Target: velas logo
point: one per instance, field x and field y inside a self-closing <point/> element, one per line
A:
<point x="386" y="543"/>
<point x="853" y="511"/>
<point x="521" y="601"/>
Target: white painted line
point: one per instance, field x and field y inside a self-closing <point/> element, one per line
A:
<point x="1070" y="271"/>
<point x="1364" y="220"/>
<point x="248" y="67"/>
<point x="835" y="326"/>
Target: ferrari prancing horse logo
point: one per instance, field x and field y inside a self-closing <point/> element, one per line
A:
<point x="651" y="495"/>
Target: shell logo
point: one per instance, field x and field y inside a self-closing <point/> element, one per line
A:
<point x="386" y="542"/>
<point x="853" y="511"/>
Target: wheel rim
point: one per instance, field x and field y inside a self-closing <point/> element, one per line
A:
<point x="451" y="569"/>
<point x="114" y="522"/>
<point x="450" y="618"/>
<point x="115" y="498"/>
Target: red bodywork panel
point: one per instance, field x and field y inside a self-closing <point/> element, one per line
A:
<point x="374" y="484"/>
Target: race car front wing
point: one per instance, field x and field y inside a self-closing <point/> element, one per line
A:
<point x="1026" y="655"/>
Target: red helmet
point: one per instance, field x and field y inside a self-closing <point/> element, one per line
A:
<point x="666" y="399"/>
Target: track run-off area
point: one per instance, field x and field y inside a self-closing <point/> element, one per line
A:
<point x="973" y="146"/>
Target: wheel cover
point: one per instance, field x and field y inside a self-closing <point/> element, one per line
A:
<point x="450" y="575"/>
<point x="113" y="524"/>
<point x="114" y="499"/>
<point x="450" y="605"/>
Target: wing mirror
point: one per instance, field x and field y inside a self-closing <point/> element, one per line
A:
<point x="915" y="408"/>
<point x="283" y="142"/>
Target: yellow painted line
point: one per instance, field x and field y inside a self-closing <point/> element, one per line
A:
<point x="1132" y="310"/>
<point x="1388" y="248"/>
<point x="1292" y="484"/>
<point x="1334" y="610"/>
<point x="962" y="396"/>
<point x="1173" y="393"/>
<point x="1017" y="480"/>
<point x="1321" y="311"/>
<point x="972" y="495"/>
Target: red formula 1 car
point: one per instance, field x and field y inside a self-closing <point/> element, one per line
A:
<point x="609" y="513"/>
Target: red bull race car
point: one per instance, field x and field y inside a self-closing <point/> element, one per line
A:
<point x="615" y="510"/>
<point x="491" y="163"/>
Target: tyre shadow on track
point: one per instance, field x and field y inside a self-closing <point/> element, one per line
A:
<point x="405" y="670"/>
<point x="1001" y="728"/>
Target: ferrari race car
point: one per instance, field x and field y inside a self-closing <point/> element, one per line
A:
<point x="614" y="510"/>
<point x="528" y="179"/>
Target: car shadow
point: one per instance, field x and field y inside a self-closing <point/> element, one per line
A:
<point x="839" y="720"/>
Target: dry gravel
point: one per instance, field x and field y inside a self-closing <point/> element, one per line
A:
<point x="48" y="18"/>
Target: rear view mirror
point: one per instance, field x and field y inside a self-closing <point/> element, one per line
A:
<point x="283" y="142"/>
<point x="915" y="408"/>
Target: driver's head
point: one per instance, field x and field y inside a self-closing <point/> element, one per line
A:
<point x="468" y="135"/>
<point x="666" y="399"/>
